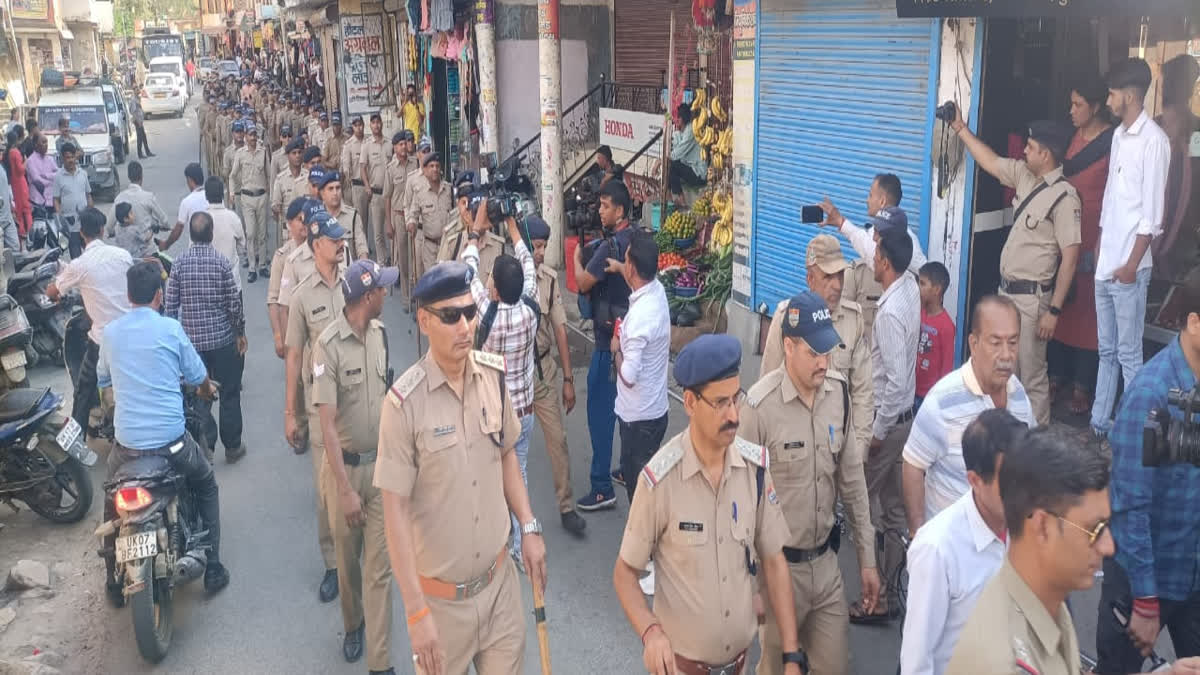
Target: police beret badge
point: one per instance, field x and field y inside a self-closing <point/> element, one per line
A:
<point x="793" y="316"/>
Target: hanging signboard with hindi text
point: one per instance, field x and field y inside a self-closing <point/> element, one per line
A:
<point x="365" y="73"/>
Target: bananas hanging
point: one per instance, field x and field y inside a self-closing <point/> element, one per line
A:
<point x="722" y="233"/>
<point x="708" y="114"/>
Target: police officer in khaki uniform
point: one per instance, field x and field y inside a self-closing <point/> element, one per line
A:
<point x="827" y="268"/>
<point x="490" y="245"/>
<point x="289" y="183"/>
<point x="428" y="209"/>
<point x="1056" y="506"/>
<point x="249" y="177"/>
<point x="351" y="154"/>
<point x="1042" y="246"/>
<point x="334" y="140"/>
<point x="554" y="388"/>
<point x="372" y="168"/>
<point x="801" y="413"/>
<point x="238" y="139"/>
<point x="395" y="183"/>
<point x="297" y="237"/>
<point x="446" y="463"/>
<point x="279" y="159"/>
<point x="318" y="133"/>
<point x="219" y="126"/>
<point x="706" y="511"/>
<point x="329" y="188"/>
<point x="450" y="246"/>
<point x="315" y="303"/>
<point x="350" y="380"/>
<point x="202" y="112"/>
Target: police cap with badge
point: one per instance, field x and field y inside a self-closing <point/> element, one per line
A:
<point x="365" y="275"/>
<point x="443" y="281"/>
<point x="807" y="317"/>
<point x="324" y="225"/>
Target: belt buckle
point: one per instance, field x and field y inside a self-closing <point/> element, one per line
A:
<point x="727" y="669"/>
<point x="472" y="588"/>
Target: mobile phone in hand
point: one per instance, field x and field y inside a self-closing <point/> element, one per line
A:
<point x="812" y="214"/>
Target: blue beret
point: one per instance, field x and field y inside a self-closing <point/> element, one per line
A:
<point x="706" y="359"/>
<point x="239" y="125"/>
<point x="537" y="228"/>
<point x="295" y="144"/>
<point x="1054" y="135"/>
<point x="443" y="280"/>
<point x="807" y="317"/>
<point x="310" y="153"/>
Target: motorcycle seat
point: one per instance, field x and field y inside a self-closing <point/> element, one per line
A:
<point x="23" y="258"/>
<point x="142" y="468"/>
<point x="22" y="278"/>
<point x="17" y="404"/>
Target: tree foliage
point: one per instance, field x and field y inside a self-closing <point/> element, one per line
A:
<point x="126" y="11"/>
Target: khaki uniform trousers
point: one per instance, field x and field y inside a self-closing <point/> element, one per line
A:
<point x="428" y="250"/>
<point x="400" y="246"/>
<point x="362" y="204"/>
<point x="821" y="617"/>
<point x="378" y="227"/>
<point x="547" y="406"/>
<point x="364" y="570"/>
<point x="487" y="630"/>
<point x="1031" y="353"/>
<point x="254" y="217"/>
<point x="316" y="451"/>
<point x="883" y="471"/>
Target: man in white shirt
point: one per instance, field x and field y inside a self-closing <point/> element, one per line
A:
<point x="886" y="211"/>
<point x="934" y="475"/>
<point x="229" y="237"/>
<point x="957" y="552"/>
<point x="195" y="201"/>
<point x="99" y="274"/>
<point x="1130" y="216"/>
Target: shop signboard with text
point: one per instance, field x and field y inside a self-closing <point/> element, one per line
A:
<point x="365" y="73"/>
<point x="32" y="10"/>
<point x="1043" y="8"/>
<point x="629" y="131"/>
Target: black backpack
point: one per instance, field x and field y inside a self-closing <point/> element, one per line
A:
<point x="489" y="317"/>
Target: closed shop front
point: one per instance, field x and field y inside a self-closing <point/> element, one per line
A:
<point x="845" y="92"/>
<point x="642" y="33"/>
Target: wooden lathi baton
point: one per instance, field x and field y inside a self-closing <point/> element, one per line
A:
<point x="539" y="617"/>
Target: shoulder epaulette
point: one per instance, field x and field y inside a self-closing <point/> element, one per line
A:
<point x="494" y="361"/>
<point x="838" y="375"/>
<point x="406" y="383"/>
<point x="852" y="306"/>
<point x="329" y="332"/>
<point x="755" y="454"/>
<point x="662" y="461"/>
<point x="767" y="384"/>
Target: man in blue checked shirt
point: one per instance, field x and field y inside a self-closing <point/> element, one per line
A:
<point x="1154" y="578"/>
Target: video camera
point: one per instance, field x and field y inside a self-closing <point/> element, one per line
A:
<point x="509" y="194"/>
<point x="1168" y="440"/>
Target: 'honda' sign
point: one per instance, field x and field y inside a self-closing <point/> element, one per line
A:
<point x="629" y="131"/>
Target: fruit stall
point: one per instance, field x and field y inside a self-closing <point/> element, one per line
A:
<point x="695" y="265"/>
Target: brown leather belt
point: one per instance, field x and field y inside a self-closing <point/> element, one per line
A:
<point x="527" y="410"/>
<point x="376" y="190"/>
<point x="356" y="181"/>
<point x="252" y="193"/>
<point x="448" y="591"/>
<point x="1024" y="287"/>
<point x="690" y="667"/>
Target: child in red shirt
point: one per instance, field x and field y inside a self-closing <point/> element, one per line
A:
<point x="935" y="348"/>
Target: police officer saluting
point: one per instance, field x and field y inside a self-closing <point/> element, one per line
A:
<point x="800" y="412"/>
<point x="1039" y="257"/>
<point x="707" y="512"/>
<point x="446" y="465"/>
<point x="350" y="380"/>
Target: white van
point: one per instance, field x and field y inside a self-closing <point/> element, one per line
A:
<point x="173" y="65"/>
<point x="83" y="106"/>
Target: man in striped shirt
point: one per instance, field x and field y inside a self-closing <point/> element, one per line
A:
<point x="934" y="473"/>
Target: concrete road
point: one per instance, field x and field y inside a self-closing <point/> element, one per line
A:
<point x="269" y="619"/>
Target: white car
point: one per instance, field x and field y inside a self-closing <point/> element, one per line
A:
<point x="227" y="68"/>
<point x="174" y="66"/>
<point x="161" y="95"/>
<point x="206" y="67"/>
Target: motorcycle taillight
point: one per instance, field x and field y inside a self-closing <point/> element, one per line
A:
<point x="132" y="498"/>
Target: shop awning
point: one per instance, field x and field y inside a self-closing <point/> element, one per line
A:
<point x="1045" y="8"/>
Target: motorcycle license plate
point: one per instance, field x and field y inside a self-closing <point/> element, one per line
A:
<point x="13" y="359"/>
<point x="137" y="546"/>
<point x="69" y="434"/>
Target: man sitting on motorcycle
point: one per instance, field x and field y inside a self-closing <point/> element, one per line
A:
<point x="150" y="358"/>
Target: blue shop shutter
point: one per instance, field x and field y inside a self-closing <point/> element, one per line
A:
<point x="845" y="91"/>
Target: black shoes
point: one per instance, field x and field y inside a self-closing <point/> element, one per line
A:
<point x="232" y="456"/>
<point x="389" y="671"/>
<point x="115" y="593"/>
<point x="329" y="586"/>
<point x="352" y="644"/>
<point x="252" y="277"/>
<point x="574" y="523"/>
<point x="216" y="577"/>
<point x="264" y="272"/>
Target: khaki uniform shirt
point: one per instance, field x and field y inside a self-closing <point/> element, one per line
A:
<point x="491" y="246"/>
<point x="860" y="286"/>
<point x="851" y="358"/>
<point x="332" y="151"/>
<point x="1047" y="225"/>
<point x="296" y="268"/>
<point x="277" y="263"/>
<point x="287" y="187"/>
<point x="314" y="305"/>
<point x="352" y="222"/>
<point x="449" y="248"/>
<point x="314" y="131"/>
<point x="249" y="169"/>
<point x="318" y="136"/>
<point x="227" y="166"/>
<point x="429" y="208"/>
<point x="351" y="151"/>
<point x="224" y="131"/>
<point x="1010" y="631"/>
<point x="698" y="537"/>
<point x="395" y="183"/>
<point x="350" y="373"/>
<point x="374" y="157"/>
<point x="444" y="453"/>
<point x="813" y="458"/>
<point x="554" y="314"/>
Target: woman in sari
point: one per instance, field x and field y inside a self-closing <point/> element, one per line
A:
<point x="1073" y="356"/>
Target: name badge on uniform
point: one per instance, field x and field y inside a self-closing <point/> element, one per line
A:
<point x="353" y="371"/>
<point x="443" y="431"/>
<point x="691" y="527"/>
<point x="793" y="445"/>
<point x="318" y="310"/>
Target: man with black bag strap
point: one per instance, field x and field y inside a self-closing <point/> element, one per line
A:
<point x="801" y="413"/>
<point x="1042" y="246"/>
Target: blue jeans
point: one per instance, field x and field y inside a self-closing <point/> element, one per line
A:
<point x="602" y="419"/>
<point x="1120" y="323"/>
<point x="522" y="450"/>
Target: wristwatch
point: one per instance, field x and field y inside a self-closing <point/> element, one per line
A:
<point x="798" y="658"/>
<point x="532" y="527"/>
<point x="1055" y="311"/>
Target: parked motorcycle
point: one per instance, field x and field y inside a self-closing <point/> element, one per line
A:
<point x="47" y="317"/>
<point x="43" y="459"/>
<point x="160" y="544"/>
<point x="15" y="336"/>
<point x="45" y="232"/>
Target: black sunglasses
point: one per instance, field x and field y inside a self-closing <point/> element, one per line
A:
<point x="451" y="315"/>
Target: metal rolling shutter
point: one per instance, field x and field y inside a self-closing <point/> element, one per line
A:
<point x="642" y="30"/>
<point x="845" y="91"/>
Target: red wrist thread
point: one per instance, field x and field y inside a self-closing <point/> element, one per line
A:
<point x="1146" y="607"/>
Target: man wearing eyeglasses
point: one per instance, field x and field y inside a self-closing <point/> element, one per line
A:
<point x="801" y="413"/>
<point x="450" y="477"/>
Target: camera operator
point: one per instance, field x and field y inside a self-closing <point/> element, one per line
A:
<point x="1156" y="515"/>
<point x="1042" y="246"/>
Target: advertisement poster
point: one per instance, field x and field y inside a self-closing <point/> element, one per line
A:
<point x="31" y="9"/>
<point x="745" y="27"/>
<point x="364" y="74"/>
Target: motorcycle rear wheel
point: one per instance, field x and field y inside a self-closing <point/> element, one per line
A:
<point x="151" y="609"/>
<point x="46" y="500"/>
